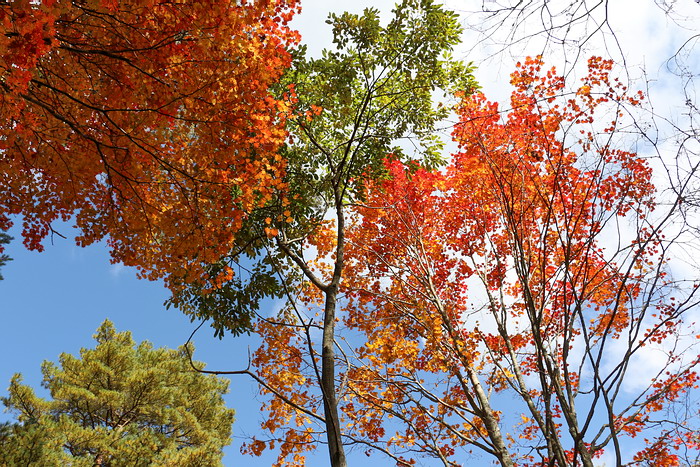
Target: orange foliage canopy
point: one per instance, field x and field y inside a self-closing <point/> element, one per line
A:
<point x="497" y="305"/>
<point x="508" y="272"/>
<point x="150" y="121"/>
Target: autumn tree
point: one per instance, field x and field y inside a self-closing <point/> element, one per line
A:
<point x="149" y="122"/>
<point x="118" y="404"/>
<point x="358" y="102"/>
<point x="509" y="302"/>
<point x="566" y="33"/>
<point x="161" y="127"/>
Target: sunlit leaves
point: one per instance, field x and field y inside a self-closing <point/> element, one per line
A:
<point x="499" y="274"/>
<point x="149" y="122"/>
<point x="382" y="90"/>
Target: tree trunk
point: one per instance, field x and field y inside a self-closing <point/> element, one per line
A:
<point x="336" y="449"/>
<point x="330" y="402"/>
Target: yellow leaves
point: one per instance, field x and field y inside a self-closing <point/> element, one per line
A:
<point x="389" y="345"/>
<point x="281" y="362"/>
<point x="286" y="217"/>
<point x="324" y="238"/>
<point x="584" y="90"/>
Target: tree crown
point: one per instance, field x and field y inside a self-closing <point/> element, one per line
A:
<point x="121" y="404"/>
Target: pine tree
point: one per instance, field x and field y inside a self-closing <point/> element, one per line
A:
<point x="118" y="404"/>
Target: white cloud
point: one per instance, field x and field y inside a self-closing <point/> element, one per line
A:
<point x="116" y="269"/>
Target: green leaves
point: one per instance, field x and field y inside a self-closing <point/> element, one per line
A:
<point x="382" y="92"/>
<point x="119" y="404"/>
<point x="233" y="305"/>
<point x="378" y="91"/>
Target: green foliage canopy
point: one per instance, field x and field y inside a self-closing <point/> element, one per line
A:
<point x="118" y="404"/>
<point x="381" y="92"/>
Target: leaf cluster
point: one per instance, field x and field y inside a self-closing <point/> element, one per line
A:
<point x="232" y="305"/>
<point x="149" y="122"/>
<point x="373" y="95"/>
<point x="4" y="239"/>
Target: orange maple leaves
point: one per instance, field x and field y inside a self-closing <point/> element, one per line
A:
<point x="150" y="121"/>
<point x="497" y="270"/>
